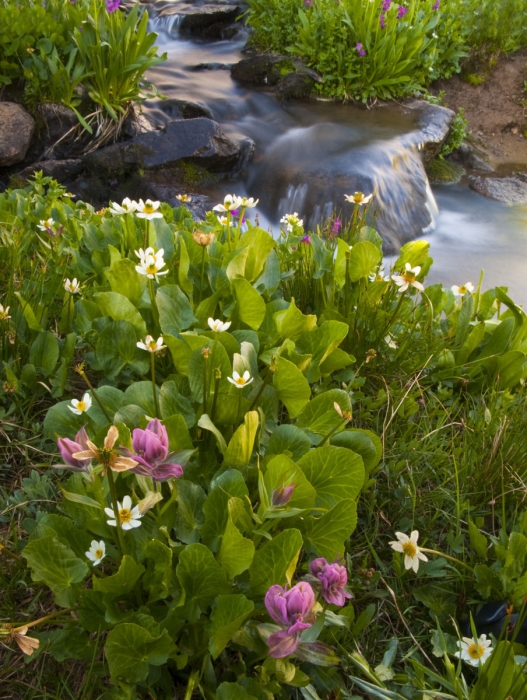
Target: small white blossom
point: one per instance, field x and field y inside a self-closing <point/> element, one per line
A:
<point x="128" y="206"/>
<point x="408" y="278"/>
<point x="184" y="198"/>
<point x="474" y="652"/>
<point x="4" y="313"/>
<point x="80" y="407"/>
<point x="96" y="552"/>
<point x="45" y="224"/>
<point x="247" y="202"/>
<point x="358" y="198"/>
<point x="230" y="202"/>
<point x="408" y="546"/>
<point x="151" y="263"/>
<point x="151" y="345"/>
<point x="128" y="517"/>
<point x="72" y="286"/>
<point x="290" y="221"/>
<point x="218" y="326"/>
<point x="240" y="382"/>
<point x="223" y="220"/>
<point x="463" y="289"/>
<point x="147" y="210"/>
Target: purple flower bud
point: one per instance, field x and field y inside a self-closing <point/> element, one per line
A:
<point x="386" y="4"/>
<point x="69" y="447"/>
<point x="150" y="451"/>
<point x="381" y="21"/>
<point x="435" y="6"/>
<point x="155" y="426"/>
<point x="402" y="11"/>
<point x="360" y="50"/>
<point x="305" y="240"/>
<point x="333" y="578"/>
<point x="112" y="5"/>
<point x="292" y="610"/>
<point x="308" y="3"/>
<point x="281" y="643"/>
<point x="147" y="445"/>
<point x="282" y="495"/>
<point x="335" y="227"/>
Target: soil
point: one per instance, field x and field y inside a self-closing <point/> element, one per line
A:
<point x="496" y="111"/>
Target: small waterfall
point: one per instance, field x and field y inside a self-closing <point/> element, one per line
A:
<point x="167" y="25"/>
<point x="293" y="201"/>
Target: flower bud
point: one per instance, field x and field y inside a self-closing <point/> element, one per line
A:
<point x="282" y="495"/>
<point x="203" y="239"/>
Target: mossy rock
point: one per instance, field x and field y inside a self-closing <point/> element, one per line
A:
<point x="442" y="172"/>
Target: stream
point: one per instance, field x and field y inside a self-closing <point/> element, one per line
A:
<point x="306" y="150"/>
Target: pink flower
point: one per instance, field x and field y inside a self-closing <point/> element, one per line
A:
<point x="381" y="21"/>
<point x="435" y="6"/>
<point x="112" y="5"/>
<point x="282" y="495"/>
<point x="333" y="578"/>
<point x="292" y="610"/>
<point x="360" y="50"/>
<point x="150" y="450"/>
<point x="402" y="11"/>
<point x="69" y="447"/>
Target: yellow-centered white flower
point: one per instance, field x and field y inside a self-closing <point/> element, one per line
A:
<point x="4" y="313"/>
<point x="247" y="202"/>
<point x="184" y="198"/>
<point x="218" y="326"/>
<point x="45" y="224"/>
<point x="151" y="262"/>
<point x="408" y="278"/>
<point x="358" y="198"/>
<point x="151" y="345"/>
<point x="72" y="286"/>
<point x="291" y="220"/>
<point x="223" y="220"/>
<point x="80" y="407"/>
<point x="463" y="289"/>
<point x="240" y="381"/>
<point x="230" y="202"/>
<point x="148" y="210"/>
<point x="127" y="516"/>
<point x="128" y="206"/>
<point x="408" y="546"/>
<point x="474" y="651"/>
<point x="96" y="552"/>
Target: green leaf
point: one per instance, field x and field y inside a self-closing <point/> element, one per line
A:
<point x="260" y="244"/>
<point x="320" y="416"/>
<point x="206" y="423"/>
<point x="196" y="369"/>
<point x="57" y="566"/>
<point x="123" y="581"/>
<point x="288" y="440"/>
<point x="250" y="306"/>
<point x="61" y="422"/>
<point x="273" y="563"/>
<point x="328" y="534"/>
<point x="131" y="649"/>
<point x="233" y="691"/>
<point x="335" y="472"/>
<point x="477" y="540"/>
<point x="364" y="257"/>
<point x="291" y="322"/>
<point x="190" y="516"/>
<point x="140" y="394"/>
<point x="291" y="386"/>
<point x="320" y="343"/>
<point x="488" y="581"/>
<point x="117" y="350"/>
<point x="158" y="576"/>
<point x="119" y="308"/>
<point x="282" y="471"/>
<point x="184" y="267"/>
<point x="175" y="312"/>
<point x="240" y="447"/>
<point x="201" y="577"/>
<point x="230" y="484"/>
<point x="125" y="280"/>
<point x="178" y="434"/>
<point x="29" y="314"/>
<point x="363" y="442"/>
<point x="228" y="615"/>
<point x="171" y="401"/>
<point x="44" y="353"/>
<point x="236" y="552"/>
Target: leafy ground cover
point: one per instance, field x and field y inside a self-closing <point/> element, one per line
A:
<point x="211" y="438"/>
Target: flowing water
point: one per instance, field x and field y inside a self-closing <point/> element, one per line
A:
<point x="307" y="154"/>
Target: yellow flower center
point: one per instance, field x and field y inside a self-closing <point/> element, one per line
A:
<point x="409" y="549"/>
<point x="408" y="276"/>
<point x="148" y="209"/>
<point x="152" y="345"/>
<point x="475" y="651"/>
<point x="3" y="315"/>
<point x="98" y="553"/>
<point x="151" y="269"/>
<point x="240" y="381"/>
<point x="358" y="197"/>
<point x="125" y="515"/>
<point x="81" y="406"/>
<point x="463" y="289"/>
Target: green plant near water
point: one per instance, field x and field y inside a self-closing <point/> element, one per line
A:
<point x="253" y="470"/>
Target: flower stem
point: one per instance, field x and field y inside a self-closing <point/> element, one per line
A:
<point x="331" y="433"/>
<point x="216" y="391"/>
<point x="202" y="274"/>
<point x="3" y="548"/>
<point x="346" y="286"/>
<point x="95" y="396"/>
<point x="261" y="389"/>
<point x="446" y="556"/>
<point x="155" y="313"/>
<point x="229" y="231"/>
<point x="205" y="387"/>
<point x="113" y="493"/>
<point x="147" y="233"/>
<point x="43" y="619"/>
<point x="154" y="387"/>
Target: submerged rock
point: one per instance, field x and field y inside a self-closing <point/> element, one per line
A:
<point x="509" y="190"/>
<point x="17" y="127"/>
<point x="264" y="69"/>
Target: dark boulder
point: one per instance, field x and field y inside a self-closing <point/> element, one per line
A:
<point x="57" y="120"/>
<point x="294" y="86"/>
<point x="17" y="127"/>
<point x="61" y="170"/>
<point x="197" y="18"/>
<point x="265" y="69"/>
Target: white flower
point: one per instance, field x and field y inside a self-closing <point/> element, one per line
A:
<point x="291" y="220"/>
<point x="408" y="278"/>
<point x="147" y="210"/>
<point x="218" y="326"/>
<point x="358" y="198"/>
<point x="408" y="546"/>
<point x="73" y="286"/>
<point x="128" y="206"/>
<point x="463" y="289"/>
<point x="150" y="262"/>
<point x="69" y="194"/>
<point x="247" y="202"/>
<point x="128" y="517"/>
<point x="474" y="652"/>
<point x="240" y="382"/>
<point x="45" y="224"/>
<point x="379" y="277"/>
<point x="230" y="202"/>
<point x="184" y="198"/>
<point x="96" y="552"/>
<point x="390" y="342"/>
<point x="80" y="407"/>
<point x="4" y="313"/>
<point x="223" y="220"/>
<point x="151" y="345"/>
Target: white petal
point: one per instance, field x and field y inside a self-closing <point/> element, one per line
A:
<point x="127" y="503"/>
<point x="246" y="375"/>
<point x="229" y="379"/>
<point x="414" y="536"/>
<point x="109" y="512"/>
<point x="113" y="523"/>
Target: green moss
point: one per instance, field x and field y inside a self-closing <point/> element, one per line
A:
<point x="474" y="79"/>
<point x="193" y="175"/>
<point x="443" y="172"/>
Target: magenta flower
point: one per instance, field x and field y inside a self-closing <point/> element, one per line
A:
<point x="381" y="21"/>
<point x="336" y="225"/>
<point x="435" y="6"/>
<point x="150" y="451"/>
<point x="69" y="447"/>
<point x="360" y="50"/>
<point x="305" y="240"/>
<point x="386" y="4"/>
<point x="112" y="5"/>
<point x="402" y="11"/>
<point x="308" y="3"/>
<point x="282" y="495"/>
<point x="333" y="578"/>
<point x="293" y="610"/>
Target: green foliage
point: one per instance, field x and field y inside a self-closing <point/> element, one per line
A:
<point x="456" y="135"/>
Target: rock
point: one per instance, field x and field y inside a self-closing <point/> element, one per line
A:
<point x="470" y="157"/>
<point x="61" y="170"/>
<point x="220" y="30"/>
<point x="194" y="141"/>
<point x="510" y="190"/>
<point x="196" y="18"/>
<point x="294" y="86"/>
<point x="444" y="172"/>
<point x="265" y="69"/>
<point x="58" y="120"/>
<point x="434" y="122"/>
<point x="136" y="124"/>
<point x="17" y="127"/>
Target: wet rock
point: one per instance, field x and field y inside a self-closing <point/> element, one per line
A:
<point x="294" y="86"/>
<point x="434" y="122"/>
<point x="17" y="127"/>
<point x="510" y="190"/>
<point x="61" y="170"/>
<point x="220" y="30"/>
<point x="57" y="119"/>
<point x="265" y="69"/>
<point x="195" y="141"/>
<point x="136" y="124"/>
<point x="471" y="157"/>
<point x="197" y="18"/>
<point x="444" y="172"/>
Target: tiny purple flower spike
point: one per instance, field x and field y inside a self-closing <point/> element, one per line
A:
<point x="360" y="50"/>
<point x="305" y="240"/>
<point x="290" y="609"/>
<point x="386" y="4"/>
<point x="69" y="447"/>
<point x="112" y="5"/>
<point x="402" y="11"/>
<point x="308" y="3"/>
<point x="335" y="226"/>
<point x="333" y="578"/>
<point x="436" y="5"/>
<point x="381" y="21"/>
<point x="150" y="451"/>
<point x="282" y="495"/>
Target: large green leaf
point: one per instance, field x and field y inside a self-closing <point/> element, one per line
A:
<point x="61" y="422"/>
<point x="282" y="471"/>
<point x="175" y="312"/>
<point x="233" y="691"/>
<point x="288" y="440"/>
<point x="201" y="577"/>
<point x="171" y="402"/>
<point x="124" y="280"/>
<point x="121" y="582"/>
<point x="275" y="561"/>
<point x="131" y="649"/>
<point x="119" y="308"/>
<point x="158" y="576"/>
<point x="291" y="386"/>
<point x="228" y="485"/>
<point x="56" y="565"/>
<point x="335" y="472"/>
<point x="44" y="353"/>
<point x="364" y="257"/>
<point x="140" y="394"/>
<point x="228" y="615"/>
<point x="250" y="306"/>
<point x="260" y="243"/>
<point x="236" y="552"/>
<point x="326" y="536"/>
<point x="320" y="415"/>
<point x="291" y="322"/>
<point x="190" y="516"/>
<point x="320" y="343"/>
<point x="196" y="367"/>
<point x="117" y="349"/>
<point x="240" y="447"/>
<point x="363" y="442"/>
